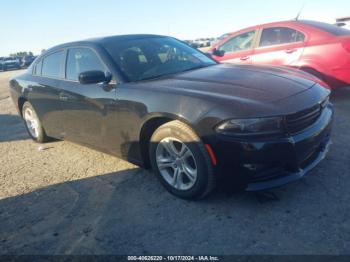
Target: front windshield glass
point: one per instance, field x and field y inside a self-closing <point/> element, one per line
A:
<point x="154" y="57"/>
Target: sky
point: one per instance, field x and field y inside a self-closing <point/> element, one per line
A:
<point x="33" y="25"/>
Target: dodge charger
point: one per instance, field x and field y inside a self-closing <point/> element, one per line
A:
<point x="158" y="103"/>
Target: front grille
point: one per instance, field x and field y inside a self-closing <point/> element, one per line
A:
<point x="303" y="119"/>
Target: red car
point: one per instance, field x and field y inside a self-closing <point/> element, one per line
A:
<point x="318" y="48"/>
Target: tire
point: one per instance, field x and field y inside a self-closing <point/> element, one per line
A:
<point x="175" y="148"/>
<point x="33" y="124"/>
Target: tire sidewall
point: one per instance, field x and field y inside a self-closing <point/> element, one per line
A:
<point x="196" y="147"/>
<point x="41" y="136"/>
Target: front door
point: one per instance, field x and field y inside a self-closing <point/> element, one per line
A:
<point x="88" y="109"/>
<point x="237" y="49"/>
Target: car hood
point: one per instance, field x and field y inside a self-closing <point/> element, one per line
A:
<point x="255" y="83"/>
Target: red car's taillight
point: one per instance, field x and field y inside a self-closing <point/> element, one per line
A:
<point x="346" y="45"/>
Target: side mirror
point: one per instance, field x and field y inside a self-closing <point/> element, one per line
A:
<point x="94" y="77"/>
<point x="218" y="52"/>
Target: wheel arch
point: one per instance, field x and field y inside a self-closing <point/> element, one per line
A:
<point x="150" y="124"/>
<point x="20" y="103"/>
<point x="310" y="64"/>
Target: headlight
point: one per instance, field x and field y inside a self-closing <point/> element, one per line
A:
<point x="251" y="126"/>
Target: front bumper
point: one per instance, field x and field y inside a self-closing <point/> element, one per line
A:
<point x="258" y="165"/>
<point x="289" y="176"/>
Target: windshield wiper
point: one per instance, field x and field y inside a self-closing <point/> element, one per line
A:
<point x="154" y="77"/>
<point x="193" y="68"/>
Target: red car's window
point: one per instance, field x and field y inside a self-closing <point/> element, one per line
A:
<point x="280" y="35"/>
<point x="238" y="43"/>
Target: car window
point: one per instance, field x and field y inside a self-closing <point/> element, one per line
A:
<point x="53" y="65"/>
<point x="37" y="69"/>
<point x="80" y="60"/>
<point x="238" y="43"/>
<point x="280" y="35"/>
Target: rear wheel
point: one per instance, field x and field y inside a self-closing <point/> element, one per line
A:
<point x="33" y="124"/>
<point x="181" y="162"/>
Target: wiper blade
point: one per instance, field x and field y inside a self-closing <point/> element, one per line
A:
<point x="154" y="77"/>
<point x="175" y="73"/>
<point x="194" y="68"/>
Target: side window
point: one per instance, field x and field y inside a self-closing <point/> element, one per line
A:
<point x="80" y="60"/>
<point x="280" y="35"/>
<point x="37" y="69"/>
<point x="238" y="43"/>
<point x="52" y="65"/>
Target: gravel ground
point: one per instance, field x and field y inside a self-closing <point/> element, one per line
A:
<point x="67" y="199"/>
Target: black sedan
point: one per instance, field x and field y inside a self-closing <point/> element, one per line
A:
<point x="159" y="103"/>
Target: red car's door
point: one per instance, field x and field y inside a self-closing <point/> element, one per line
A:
<point x="279" y="46"/>
<point x="238" y="48"/>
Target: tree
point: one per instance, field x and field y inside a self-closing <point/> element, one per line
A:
<point x="20" y="54"/>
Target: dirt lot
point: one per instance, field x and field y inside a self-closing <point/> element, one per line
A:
<point x="67" y="199"/>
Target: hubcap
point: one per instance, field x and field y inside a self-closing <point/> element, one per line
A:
<point x="32" y="122"/>
<point x="176" y="163"/>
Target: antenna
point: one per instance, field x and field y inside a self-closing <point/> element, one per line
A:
<point x="301" y="9"/>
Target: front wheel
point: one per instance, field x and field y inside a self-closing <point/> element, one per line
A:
<point x="180" y="161"/>
<point x="33" y="124"/>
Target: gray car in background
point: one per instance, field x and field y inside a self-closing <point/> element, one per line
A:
<point x="9" y="63"/>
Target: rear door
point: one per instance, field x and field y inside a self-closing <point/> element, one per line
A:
<point x="279" y="46"/>
<point x="87" y="108"/>
<point x="238" y="48"/>
<point x="44" y="92"/>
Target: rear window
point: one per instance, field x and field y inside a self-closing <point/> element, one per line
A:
<point x="37" y="69"/>
<point x="53" y="65"/>
<point x="332" y="29"/>
<point x="280" y="35"/>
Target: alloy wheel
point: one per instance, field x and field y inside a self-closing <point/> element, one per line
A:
<point x="176" y="163"/>
<point x="32" y="122"/>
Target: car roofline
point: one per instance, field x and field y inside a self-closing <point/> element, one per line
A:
<point x="98" y="41"/>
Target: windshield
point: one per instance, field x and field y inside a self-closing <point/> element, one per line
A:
<point x="154" y="57"/>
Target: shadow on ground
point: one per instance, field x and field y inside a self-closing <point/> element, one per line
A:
<point x="128" y="212"/>
<point x="12" y="128"/>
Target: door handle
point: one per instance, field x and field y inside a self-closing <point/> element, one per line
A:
<point x="63" y="97"/>
<point x="289" y="51"/>
<point x="244" y="58"/>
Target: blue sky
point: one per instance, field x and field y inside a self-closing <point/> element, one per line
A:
<point x="33" y="25"/>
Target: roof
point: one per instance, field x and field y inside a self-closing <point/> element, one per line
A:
<point x="105" y="40"/>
